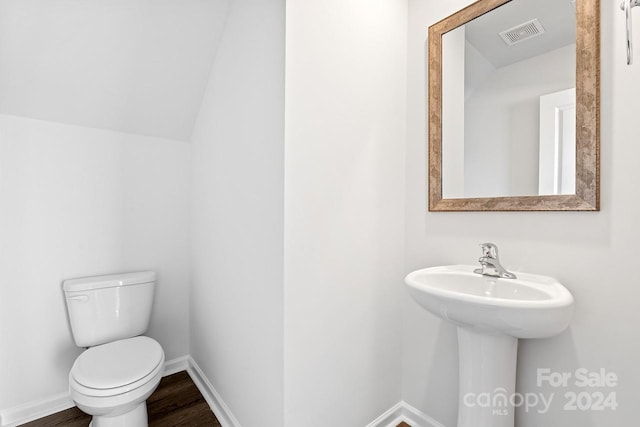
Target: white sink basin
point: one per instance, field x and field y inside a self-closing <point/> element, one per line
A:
<point x="491" y="314"/>
<point x="530" y="306"/>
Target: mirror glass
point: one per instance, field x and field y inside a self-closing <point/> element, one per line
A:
<point x="509" y="102"/>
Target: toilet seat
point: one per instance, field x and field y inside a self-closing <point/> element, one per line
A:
<point x="117" y="367"/>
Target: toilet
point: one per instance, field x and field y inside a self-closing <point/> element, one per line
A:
<point x="113" y="378"/>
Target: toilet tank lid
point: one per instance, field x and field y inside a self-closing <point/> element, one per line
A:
<point x="108" y="281"/>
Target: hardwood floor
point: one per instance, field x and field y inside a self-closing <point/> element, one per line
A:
<point x="177" y="402"/>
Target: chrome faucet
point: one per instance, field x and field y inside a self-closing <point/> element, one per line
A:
<point x="491" y="263"/>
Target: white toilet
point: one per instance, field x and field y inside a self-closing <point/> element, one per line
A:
<point x="114" y="377"/>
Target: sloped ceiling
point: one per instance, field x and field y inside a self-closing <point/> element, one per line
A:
<point x="136" y="66"/>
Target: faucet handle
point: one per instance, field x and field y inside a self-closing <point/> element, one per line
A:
<point x="489" y="250"/>
<point x="491" y="264"/>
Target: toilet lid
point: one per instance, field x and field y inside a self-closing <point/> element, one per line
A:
<point x="117" y="363"/>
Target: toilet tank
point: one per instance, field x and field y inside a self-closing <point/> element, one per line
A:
<point x="108" y="308"/>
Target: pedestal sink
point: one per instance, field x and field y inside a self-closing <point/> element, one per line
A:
<point x="491" y="314"/>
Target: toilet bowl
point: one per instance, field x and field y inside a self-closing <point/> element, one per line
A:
<point x="112" y="381"/>
<point x="121" y="368"/>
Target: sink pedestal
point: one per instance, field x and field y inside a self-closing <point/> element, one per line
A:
<point x="487" y="379"/>
<point x="491" y="314"/>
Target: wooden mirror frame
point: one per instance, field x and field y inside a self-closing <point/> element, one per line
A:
<point x="587" y="197"/>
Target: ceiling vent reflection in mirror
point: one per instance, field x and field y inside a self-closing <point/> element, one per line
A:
<point x="522" y="32"/>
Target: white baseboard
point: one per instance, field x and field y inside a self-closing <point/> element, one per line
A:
<point x="217" y="405"/>
<point x="33" y="410"/>
<point x="402" y="411"/>
<point x="392" y="417"/>
<point x="417" y="418"/>
<point x="176" y="365"/>
<point x="30" y="411"/>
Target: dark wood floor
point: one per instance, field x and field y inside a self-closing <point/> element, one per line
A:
<point x="176" y="402"/>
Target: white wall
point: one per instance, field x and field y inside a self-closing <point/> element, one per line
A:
<point x="344" y="203"/>
<point x="75" y="202"/>
<point x="237" y="222"/>
<point x="593" y="254"/>
<point x="502" y="124"/>
<point x="476" y="69"/>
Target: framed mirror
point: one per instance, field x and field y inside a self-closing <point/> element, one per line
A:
<point x="514" y="107"/>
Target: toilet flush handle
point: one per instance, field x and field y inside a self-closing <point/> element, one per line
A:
<point x="80" y="298"/>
